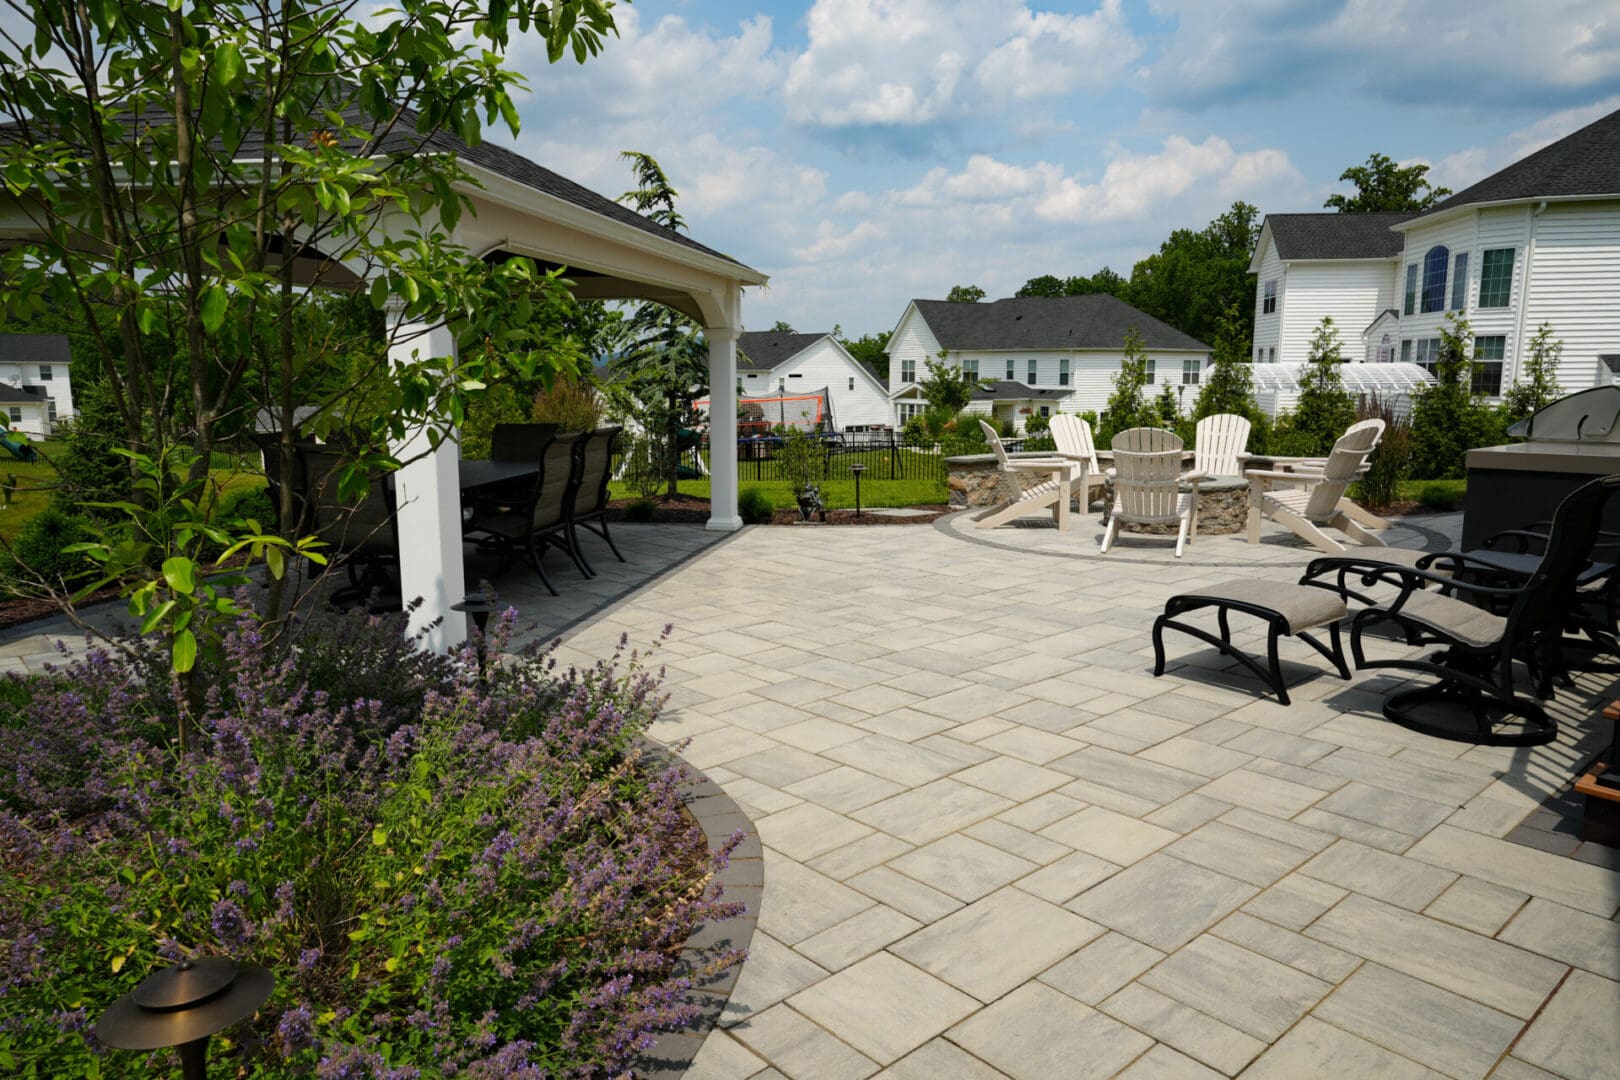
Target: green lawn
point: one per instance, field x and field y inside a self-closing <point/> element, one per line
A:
<point x="837" y="494"/>
<point x="34" y="483"/>
<point x="1435" y="494"/>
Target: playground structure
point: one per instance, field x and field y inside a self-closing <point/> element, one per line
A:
<point x="18" y="447"/>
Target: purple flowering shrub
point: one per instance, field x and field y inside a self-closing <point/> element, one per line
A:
<point x="494" y="882"/>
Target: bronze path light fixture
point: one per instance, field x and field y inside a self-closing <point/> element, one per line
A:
<point x="183" y="1005"/>
<point x="857" y="469"/>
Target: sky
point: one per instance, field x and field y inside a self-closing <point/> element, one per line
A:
<point x="865" y="152"/>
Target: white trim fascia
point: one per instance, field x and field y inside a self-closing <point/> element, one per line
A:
<point x="520" y="197"/>
<point x="1447" y="215"/>
<point x="1260" y="245"/>
<point x="911" y="306"/>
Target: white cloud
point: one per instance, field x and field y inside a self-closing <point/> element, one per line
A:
<point x="1452" y="52"/>
<point x="914" y="62"/>
<point x="1468" y="166"/>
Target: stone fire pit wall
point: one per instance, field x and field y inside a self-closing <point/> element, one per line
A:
<point x="975" y="482"/>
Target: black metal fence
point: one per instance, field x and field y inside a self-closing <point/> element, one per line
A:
<point x="884" y="456"/>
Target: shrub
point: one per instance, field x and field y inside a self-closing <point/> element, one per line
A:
<point x="801" y="461"/>
<point x="640" y="510"/>
<point x="1447" y="419"/>
<point x="1325" y="408"/>
<point x="1035" y="423"/>
<point x="914" y="432"/>
<point x="1439" y="497"/>
<point x="1128" y="406"/>
<point x="1537" y="385"/>
<point x="754" y="506"/>
<point x="1391" y="461"/>
<point x="89" y="468"/>
<point x="36" y="552"/>
<point x="491" y="882"/>
<point x="571" y="404"/>
<point x="646" y="465"/>
<point x="501" y="405"/>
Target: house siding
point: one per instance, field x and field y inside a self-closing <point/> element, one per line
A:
<point x="1268" y="328"/>
<point x="1575" y="285"/>
<point x="825" y="363"/>
<point x="1351" y="292"/>
<point x="1092" y="374"/>
<point x="911" y="340"/>
<point x="59" y="389"/>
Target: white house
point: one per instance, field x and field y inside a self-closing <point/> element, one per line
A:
<point x="772" y="364"/>
<point x="1537" y="242"/>
<point x="1040" y="354"/>
<point x="36" y="383"/>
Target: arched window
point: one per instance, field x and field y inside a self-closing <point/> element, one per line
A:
<point x="1434" y="278"/>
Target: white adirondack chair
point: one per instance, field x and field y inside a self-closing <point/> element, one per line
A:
<point x="1147" y="485"/>
<point x="1314" y="498"/>
<point x="1053" y="492"/>
<point x="1074" y="442"/>
<point x="1221" y="445"/>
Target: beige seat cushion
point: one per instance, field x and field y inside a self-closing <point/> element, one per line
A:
<point x="1456" y="618"/>
<point x="1301" y="606"/>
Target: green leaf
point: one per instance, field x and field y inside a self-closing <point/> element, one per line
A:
<point x="228" y="65"/>
<point x="379" y="836"/>
<point x="273" y="559"/>
<point x="185" y="651"/>
<point x="156" y="615"/>
<point x="181" y="574"/>
<point x="215" y="302"/>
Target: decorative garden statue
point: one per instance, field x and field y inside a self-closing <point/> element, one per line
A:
<point x="810" y="503"/>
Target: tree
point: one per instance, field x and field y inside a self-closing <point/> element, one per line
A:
<point x="1447" y="418"/>
<point x="1325" y="408"/>
<point x="1195" y="277"/>
<point x="947" y="388"/>
<point x="1128" y="406"/>
<point x="1103" y="281"/>
<point x="197" y="172"/>
<point x="666" y="364"/>
<point x="1229" y="387"/>
<point x="871" y="349"/>
<point x="782" y="327"/>
<point x="1383" y="185"/>
<point x="965" y="294"/>
<point x="1538" y="386"/>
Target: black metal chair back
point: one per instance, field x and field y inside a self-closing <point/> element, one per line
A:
<point x="1548" y="596"/>
<point x="596" y="471"/>
<point x="519" y="442"/>
<point x="557" y="482"/>
<point x="366" y="525"/>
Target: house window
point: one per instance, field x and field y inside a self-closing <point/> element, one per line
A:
<point x="1153" y="372"/>
<point x="1271" y="355"/>
<point x="1411" y="290"/>
<point x="16" y="415"/>
<point x="1191" y="371"/>
<point x="1434" y="278"/>
<point x="1269" y="305"/>
<point x="1496" y="278"/>
<point x="909" y="409"/>
<point x="1063" y="373"/>
<point x="1459" y="282"/>
<point x="1259" y="355"/>
<point x="1489" y="352"/>
<point x="1428" y="354"/>
<point x="44" y="373"/>
<point x="50" y="409"/>
<point x="1046" y="410"/>
<point x="908" y="371"/>
<point x="970" y="368"/>
<point x="1012" y="369"/>
<point x="1406" y="351"/>
<point x="1033" y="376"/>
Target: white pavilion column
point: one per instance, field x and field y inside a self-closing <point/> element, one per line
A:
<point x="428" y="493"/>
<point x="722" y="428"/>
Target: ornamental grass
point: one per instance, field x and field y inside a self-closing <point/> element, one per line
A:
<point x="448" y="874"/>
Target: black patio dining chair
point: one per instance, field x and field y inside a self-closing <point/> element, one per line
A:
<point x="1475" y="697"/>
<point x="361" y="533"/>
<point x="591" y="499"/>
<point x="539" y="520"/>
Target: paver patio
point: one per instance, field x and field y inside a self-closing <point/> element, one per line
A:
<point x="995" y="846"/>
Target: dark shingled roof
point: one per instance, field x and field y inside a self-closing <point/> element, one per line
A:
<point x="1098" y="321"/>
<point x="761" y="350"/>
<point x="13" y="395"/>
<point x="1586" y="163"/>
<point x="35" y="349"/>
<point x="1337" y="236"/>
<point x="1007" y="390"/>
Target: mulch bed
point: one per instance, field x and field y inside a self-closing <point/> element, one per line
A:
<point x="847" y="517"/>
<point x="20" y="610"/>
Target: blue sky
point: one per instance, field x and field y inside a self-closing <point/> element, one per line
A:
<point x="863" y="152"/>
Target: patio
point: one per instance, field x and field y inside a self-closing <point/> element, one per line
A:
<point x="994" y="845"/>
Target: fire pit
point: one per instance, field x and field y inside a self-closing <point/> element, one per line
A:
<point x="1566" y="444"/>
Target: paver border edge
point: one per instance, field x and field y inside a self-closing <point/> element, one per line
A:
<point x="718" y="815"/>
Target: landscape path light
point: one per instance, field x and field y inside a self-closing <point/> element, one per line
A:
<point x="183" y="1006"/>
<point x="857" y="469"/>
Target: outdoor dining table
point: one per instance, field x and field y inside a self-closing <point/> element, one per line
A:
<point x="477" y="475"/>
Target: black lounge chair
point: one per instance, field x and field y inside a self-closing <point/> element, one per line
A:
<point x="1475" y="698"/>
<point x="591" y="500"/>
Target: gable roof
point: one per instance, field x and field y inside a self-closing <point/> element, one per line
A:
<point x="1584" y="164"/>
<point x="1336" y="236"/>
<point x="35" y="349"/>
<point x="1098" y="321"/>
<point x="761" y="350"/>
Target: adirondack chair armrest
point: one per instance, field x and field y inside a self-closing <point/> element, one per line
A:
<point x="1277" y="474"/>
<point x="1040" y="464"/>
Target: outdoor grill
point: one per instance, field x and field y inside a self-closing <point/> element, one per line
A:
<point x="1566" y="444"/>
